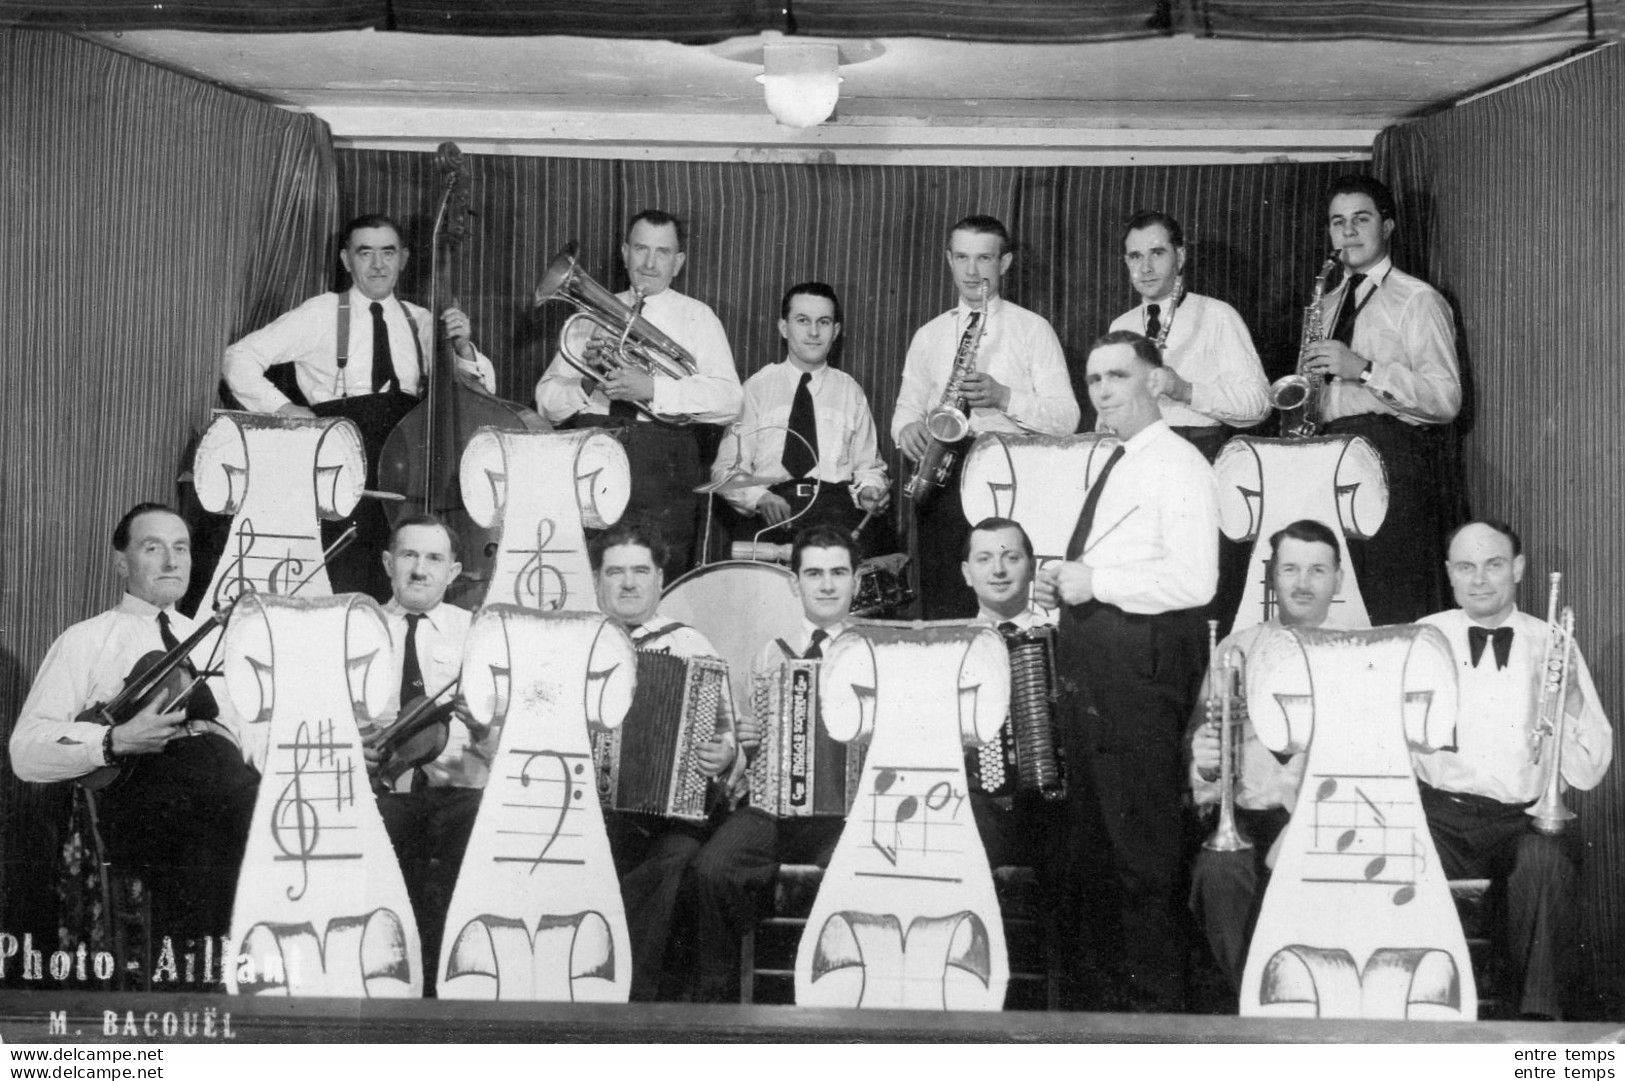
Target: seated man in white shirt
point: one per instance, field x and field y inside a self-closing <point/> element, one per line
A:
<point x="648" y="411"/>
<point x="807" y="423"/>
<point x="1227" y="888"/>
<point x="363" y="354"/>
<point x="732" y="877"/>
<point x="651" y="852"/>
<point x="1476" y="795"/>
<point x="179" y="812"/>
<point x="429" y="809"/>
<point x="1214" y="379"/>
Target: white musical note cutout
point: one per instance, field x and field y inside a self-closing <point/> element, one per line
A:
<point x="906" y="917"/>
<point x="537" y="911"/>
<point x="1038" y="480"/>
<point x="276" y="475"/>
<point x="1358" y="919"/>
<point x="321" y="905"/>
<point x="1266" y="484"/>
<point x="535" y="491"/>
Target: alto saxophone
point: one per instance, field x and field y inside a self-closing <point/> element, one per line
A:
<point x="1549" y="812"/>
<point x="1297" y="396"/>
<point x="949" y="423"/>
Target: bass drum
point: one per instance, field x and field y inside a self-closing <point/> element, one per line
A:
<point x="739" y="605"/>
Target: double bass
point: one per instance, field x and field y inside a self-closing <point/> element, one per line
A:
<point x="420" y="457"/>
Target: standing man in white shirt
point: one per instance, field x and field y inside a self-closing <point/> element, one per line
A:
<point x="1214" y="380"/>
<point x="429" y="811"/>
<point x="1020" y="384"/>
<point x="1142" y="562"/>
<point x="807" y="423"/>
<point x="1390" y="357"/>
<point x="663" y="453"/>
<point x="179" y="811"/>
<point x="1475" y="796"/>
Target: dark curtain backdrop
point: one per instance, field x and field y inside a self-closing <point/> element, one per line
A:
<point x="701" y="21"/>
<point x="876" y="233"/>
<point x="148" y="219"/>
<point x="1512" y="206"/>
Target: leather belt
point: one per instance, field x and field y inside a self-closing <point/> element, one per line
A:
<point x="804" y="489"/>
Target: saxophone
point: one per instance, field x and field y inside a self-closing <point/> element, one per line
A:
<point x="1297" y="396"/>
<point x="949" y="423"/>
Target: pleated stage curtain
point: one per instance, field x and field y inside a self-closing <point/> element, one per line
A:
<point x="876" y="233"/>
<point x="1511" y="206"/>
<point x="148" y="220"/>
<point x="1478" y="21"/>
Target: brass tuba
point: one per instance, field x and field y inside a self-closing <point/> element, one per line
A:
<point x="1549" y="812"/>
<point x="606" y="334"/>
<point x="1297" y="396"/>
<point x="1224" y="682"/>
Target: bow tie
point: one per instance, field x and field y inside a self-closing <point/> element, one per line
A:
<point x="1502" y="636"/>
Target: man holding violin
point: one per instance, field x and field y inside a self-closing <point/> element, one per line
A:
<point x="179" y="809"/>
<point x="428" y="785"/>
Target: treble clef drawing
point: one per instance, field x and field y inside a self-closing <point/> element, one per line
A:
<point x="318" y="867"/>
<point x="536" y="491"/>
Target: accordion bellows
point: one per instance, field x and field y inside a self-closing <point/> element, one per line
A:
<point x="648" y="764"/>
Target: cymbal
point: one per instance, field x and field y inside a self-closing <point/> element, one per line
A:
<point x="736" y="483"/>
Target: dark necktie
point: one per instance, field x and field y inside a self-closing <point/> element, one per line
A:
<point x="383" y="367"/>
<point x="411" y="673"/>
<point x="799" y="458"/>
<point x="1086" y="520"/>
<point x="815" y="652"/>
<point x="200" y="703"/>
<point x="1502" y="637"/>
<point x="1153" y="321"/>
<point x="1343" y="331"/>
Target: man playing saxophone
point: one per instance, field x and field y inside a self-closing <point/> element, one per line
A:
<point x="1306" y="572"/>
<point x="1019" y="384"/>
<point x="1476" y="796"/>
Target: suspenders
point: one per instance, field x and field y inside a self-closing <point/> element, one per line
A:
<point x="341" y="382"/>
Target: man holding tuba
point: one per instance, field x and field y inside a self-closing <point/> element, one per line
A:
<point x="1012" y="378"/>
<point x="1479" y="797"/>
<point x="649" y="409"/>
<point x="1389" y="354"/>
<point x="1214" y="378"/>
<point x="1306" y="572"/>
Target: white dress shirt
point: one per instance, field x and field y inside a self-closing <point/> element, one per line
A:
<point x="1208" y="345"/>
<point x="307" y="337"/>
<point x="1406" y="330"/>
<point x="711" y="396"/>
<point x="1262" y="780"/>
<point x="848" y="452"/>
<point x="1496" y="711"/>
<point x="439" y="641"/>
<point x="1018" y="348"/>
<point x="1154" y="545"/>
<point x="86" y="666"/>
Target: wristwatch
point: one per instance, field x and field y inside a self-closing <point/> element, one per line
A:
<point x="1365" y="374"/>
<point x="108" y="757"/>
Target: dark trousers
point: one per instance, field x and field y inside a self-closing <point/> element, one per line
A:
<point x="180" y="819"/>
<point x="1227" y="890"/>
<point x="940" y="532"/>
<point x="730" y="884"/>
<point x="1128" y="682"/>
<point x="652" y="855"/>
<point x="1401" y="568"/>
<point x="831" y="506"/>
<point x="429" y="830"/>
<point x="665" y="465"/>
<point x="1478" y="837"/>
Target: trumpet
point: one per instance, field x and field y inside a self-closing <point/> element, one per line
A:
<point x="606" y="335"/>
<point x="1224" y="677"/>
<point x="1297" y="396"/>
<point x="949" y="422"/>
<point x="1549" y="812"/>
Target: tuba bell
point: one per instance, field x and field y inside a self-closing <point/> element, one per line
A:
<point x="606" y="334"/>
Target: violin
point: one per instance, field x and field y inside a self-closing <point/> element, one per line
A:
<point x="166" y="673"/>
<point x="417" y="737"/>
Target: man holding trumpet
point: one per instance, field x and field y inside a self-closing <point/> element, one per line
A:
<point x="1480" y="796"/>
<point x="1306" y="572"/>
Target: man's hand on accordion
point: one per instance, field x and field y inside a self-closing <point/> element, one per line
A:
<point x="716" y="756"/>
<point x="750" y="735"/>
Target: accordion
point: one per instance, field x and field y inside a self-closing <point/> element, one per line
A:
<point x="799" y="770"/>
<point x="648" y="764"/>
<point x="1025" y="756"/>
